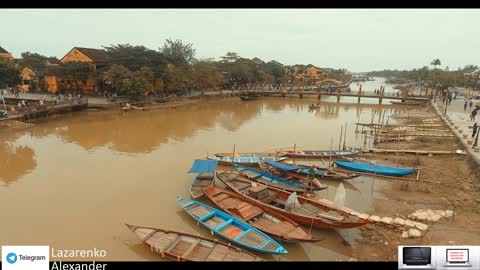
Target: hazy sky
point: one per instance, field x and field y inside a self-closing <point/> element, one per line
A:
<point x="358" y="40"/>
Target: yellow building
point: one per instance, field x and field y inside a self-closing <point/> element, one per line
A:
<point x="27" y="76"/>
<point x="307" y="74"/>
<point x="97" y="58"/>
<point x="5" y="55"/>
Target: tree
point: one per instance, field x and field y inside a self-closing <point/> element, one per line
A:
<point x="205" y="75"/>
<point x="141" y="82"/>
<point x="230" y="57"/>
<point x="134" y="84"/>
<point x="136" y="57"/>
<point x="75" y="72"/>
<point x="436" y="62"/>
<point x="118" y="78"/>
<point x="178" y="53"/>
<point x="279" y="74"/>
<point x="9" y="73"/>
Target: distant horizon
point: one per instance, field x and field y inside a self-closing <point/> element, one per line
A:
<point x="356" y="40"/>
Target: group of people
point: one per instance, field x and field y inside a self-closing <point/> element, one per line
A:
<point x="110" y="96"/>
<point x="14" y="91"/>
<point x="448" y="97"/>
<point x="60" y="97"/>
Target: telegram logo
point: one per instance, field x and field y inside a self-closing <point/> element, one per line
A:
<point x="11" y="258"/>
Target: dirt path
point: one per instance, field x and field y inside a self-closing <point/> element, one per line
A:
<point x="455" y="186"/>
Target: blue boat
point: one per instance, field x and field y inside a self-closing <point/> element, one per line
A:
<point x="322" y="173"/>
<point x="230" y="228"/>
<point x="270" y="180"/>
<point x="376" y="169"/>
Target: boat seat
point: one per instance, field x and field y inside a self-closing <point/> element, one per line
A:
<point x="190" y="249"/>
<point x="270" y="198"/>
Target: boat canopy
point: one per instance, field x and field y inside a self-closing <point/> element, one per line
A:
<point x="204" y="166"/>
<point x="282" y="166"/>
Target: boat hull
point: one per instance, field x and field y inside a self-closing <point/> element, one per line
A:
<point x="244" y="161"/>
<point x="375" y="169"/>
<point x="319" y="154"/>
<point x="310" y="221"/>
<point x="283" y="228"/>
<point x="226" y="252"/>
<point x="200" y="182"/>
<point x="230" y="228"/>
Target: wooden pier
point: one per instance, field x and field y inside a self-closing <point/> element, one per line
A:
<point x="43" y="111"/>
<point x="319" y="93"/>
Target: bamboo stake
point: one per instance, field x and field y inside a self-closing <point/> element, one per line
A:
<point x="340" y="142"/>
<point x="331" y="149"/>
<point x="294" y="152"/>
<point x="233" y="155"/>
<point x="345" y="138"/>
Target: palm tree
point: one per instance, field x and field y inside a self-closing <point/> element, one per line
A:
<point x="436" y="62"/>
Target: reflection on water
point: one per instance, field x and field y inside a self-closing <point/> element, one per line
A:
<point x="80" y="178"/>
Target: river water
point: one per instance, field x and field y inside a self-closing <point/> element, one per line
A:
<point x="73" y="181"/>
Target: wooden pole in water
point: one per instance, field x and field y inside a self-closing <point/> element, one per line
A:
<point x="331" y="150"/>
<point x="233" y="155"/>
<point x="345" y="138"/>
<point x="294" y="152"/>
<point x="340" y="141"/>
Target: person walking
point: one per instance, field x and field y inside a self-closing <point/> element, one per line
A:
<point x="465" y="105"/>
<point x="476" y="127"/>
<point x="470" y="103"/>
<point x="473" y="114"/>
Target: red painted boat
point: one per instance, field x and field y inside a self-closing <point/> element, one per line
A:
<point x="308" y="212"/>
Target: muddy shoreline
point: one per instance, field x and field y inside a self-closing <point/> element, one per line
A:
<point x="453" y="186"/>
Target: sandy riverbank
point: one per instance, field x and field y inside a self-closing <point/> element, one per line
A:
<point x="450" y="183"/>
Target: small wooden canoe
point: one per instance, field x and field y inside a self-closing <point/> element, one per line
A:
<point x="270" y="222"/>
<point x="201" y="181"/>
<point x="300" y="171"/>
<point x="309" y="212"/>
<point x="317" y="153"/>
<point x="248" y="97"/>
<point x="244" y="161"/>
<point x="231" y="228"/>
<point x="371" y="168"/>
<point x="249" y="154"/>
<point x="269" y="180"/>
<point x="188" y="247"/>
<point x="205" y="170"/>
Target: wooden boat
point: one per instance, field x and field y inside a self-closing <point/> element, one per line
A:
<point x="201" y="181"/>
<point x="371" y="168"/>
<point x="268" y="221"/>
<point x="291" y="176"/>
<point x="248" y="97"/>
<point x="249" y="154"/>
<point x="313" y="106"/>
<point x="308" y="212"/>
<point x="271" y="180"/>
<point x="206" y="176"/>
<point x="244" y="161"/>
<point x="188" y="247"/>
<point x="231" y="228"/>
<point x="301" y="172"/>
<point x="316" y="153"/>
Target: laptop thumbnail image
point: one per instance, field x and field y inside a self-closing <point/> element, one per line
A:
<point x="457" y="257"/>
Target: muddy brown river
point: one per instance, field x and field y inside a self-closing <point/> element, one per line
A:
<point x="73" y="181"/>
